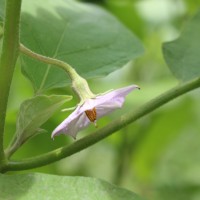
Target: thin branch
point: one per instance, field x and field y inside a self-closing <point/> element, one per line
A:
<point x="100" y="134"/>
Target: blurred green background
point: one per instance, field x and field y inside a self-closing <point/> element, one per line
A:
<point x="158" y="156"/>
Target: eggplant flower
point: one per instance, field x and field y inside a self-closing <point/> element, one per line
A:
<point x="91" y="110"/>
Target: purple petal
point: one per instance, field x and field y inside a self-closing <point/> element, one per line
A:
<point x="88" y="105"/>
<point x="72" y="124"/>
<point x="122" y="92"/>
<point x="107" y="103"/>
<point x="108" y="107"/>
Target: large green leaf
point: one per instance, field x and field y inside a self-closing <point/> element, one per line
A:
<point x="182" y="55"/>
<point x="36" y="111"/>
<point x="91" y="40"/>
<point x="51" y="187"/>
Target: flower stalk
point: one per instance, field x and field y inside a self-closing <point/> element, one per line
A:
<point x="79" y="84"/>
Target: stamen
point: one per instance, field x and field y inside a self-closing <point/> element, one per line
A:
<point x="92" y="115"/>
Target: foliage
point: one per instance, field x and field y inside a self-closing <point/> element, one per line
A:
<point x="182" y="53"/>
<point x="41" y="186"/>
<point x="156" y="156"/>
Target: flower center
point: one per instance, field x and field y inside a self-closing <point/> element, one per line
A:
<point x="92" y="115"/>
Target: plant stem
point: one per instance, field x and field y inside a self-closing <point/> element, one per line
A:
<point x="10" y="50"/>
<point x="66" y="67"/>
<point x="13" y="146"/>
<point x="100" y="134"/>
<point x="79" y="84"/>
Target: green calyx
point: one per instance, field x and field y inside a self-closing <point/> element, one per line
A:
<point x="81" y="88"/>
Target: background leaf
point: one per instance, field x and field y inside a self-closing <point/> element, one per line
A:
<point x="1" y="9"/>
<point x="163" y="130"/>
<point x="43" y="186"/>
<point x="182" y="55"/>
<point x="180" y="179"/>
<point x="36" y="111"/>
<point x="83" y="35"/>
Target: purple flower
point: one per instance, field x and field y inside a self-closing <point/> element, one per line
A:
<point x="91" y="110"/>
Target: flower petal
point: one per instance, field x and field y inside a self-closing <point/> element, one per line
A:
<point x="107" y="103"/>
<point x="89" y="104"/>
<point x="122" y="92"/>
<point x="108" y="107"/>
<point x="72" y="124"/>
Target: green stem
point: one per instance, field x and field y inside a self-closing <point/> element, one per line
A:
<point x="79" y="84"/>
<point x="100" y="134"/>
<point x="13" y="146"/>
<point x="66" y="67"/>
<point x="10" y="50"/>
